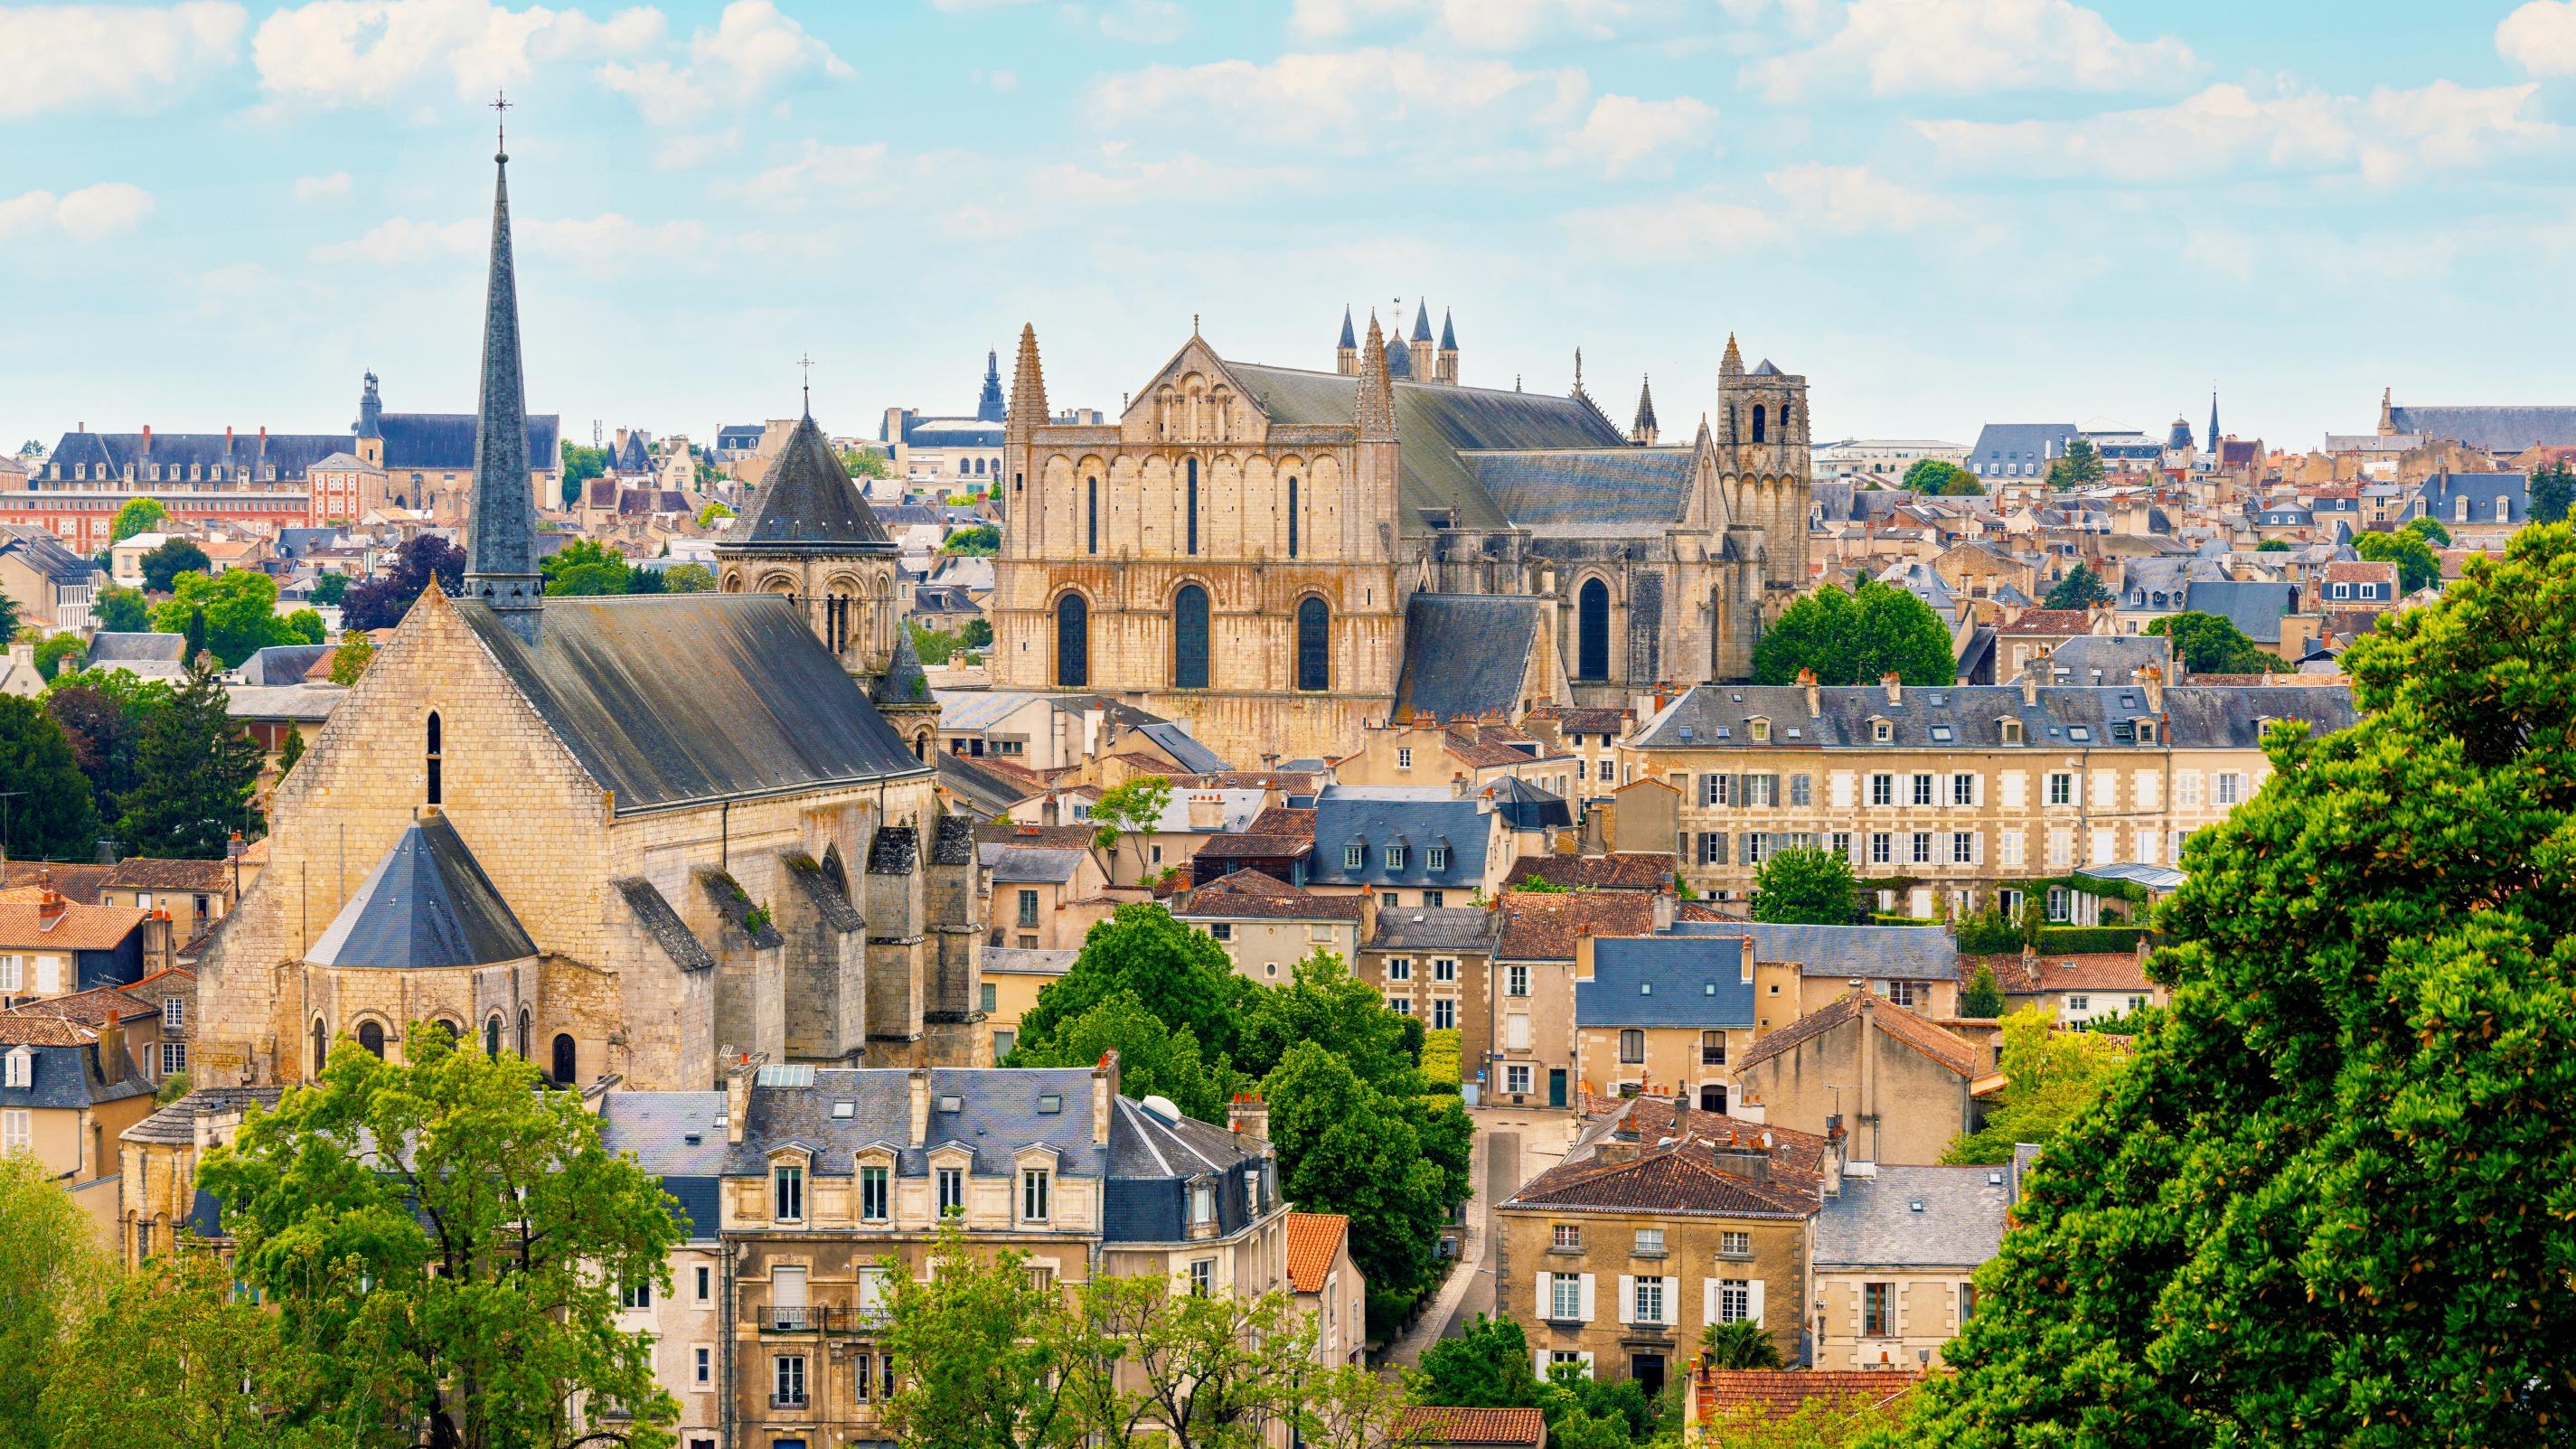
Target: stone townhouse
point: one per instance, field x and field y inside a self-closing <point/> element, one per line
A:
<point x="801" y="1181"/>
<point x="664" y="830"/>
<point x="1660" y="1014"/>
<point x="2076" y="989"/>
<point x="1961" y="795"/>
<point x="1807" y="968"/>
<point x="1412" y="846"/>
<point x="1424" y="751"/>
<point x="1659" y="1223"/>
<point x="1534" y="1061"/>
<point x="1329" y="1286"/>
<point x="157" y="1167"/>
<point x="1895" y="1252"/>
<point x="1889" y="1084"/>
<point x="67" y="1090"/>
<point x="1436" y="963"/>
<point x="1267" y="927"/>
<point x="53" y="946"/>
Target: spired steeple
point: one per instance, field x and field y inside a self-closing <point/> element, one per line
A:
<point x="501" y="542"/>
<point x="1346" y="353"/>
<point x="1350" y="339"/>
<point x="1448" y="332"/>
<point x="2213" y="420"/>
<point x="988" y="405"/>
<point x="371" y="411"/>
<point x="1421" y="321"/>
<point x="1642" y="432"/>
<point x="1733" y="362"/>
<point x="1375" y="411"/>
<point x="1028" y="388"/>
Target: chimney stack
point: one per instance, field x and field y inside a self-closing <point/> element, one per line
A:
<point x="1248" y="1117"/>
<point x="1894" y="684"/>
<point x="738" y="1082"/>
<point x="919" y="1082"/>
<point x="113" y="1063"/>
<point x="147" y="436"/>
<point x="1104" y="1094"/>
<point x="1815" y="696"/>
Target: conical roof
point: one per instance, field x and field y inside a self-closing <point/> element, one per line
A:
<point x="426" y="904"/>
<point x="1645" y="404"/>
<point x="807" y="502"/>
<point x="1421" y="322"/>
<point x="1448" y="332"/>
<point x="1349" y="338"/>
<point x="501" y="527"/>
<point x="903" y="681"/>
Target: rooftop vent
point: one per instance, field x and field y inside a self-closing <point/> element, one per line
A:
<point x="1645" y="988"/>
<point x="1161" y="1109"/>
<point x="1050" y="1102"/>
<point x="1709" y="989"/>
<point x="1686" y="731"/>
<point x="690" y="1138"/>
<point x="1914" y="1205"/>
<point x="1994" y="1179"/>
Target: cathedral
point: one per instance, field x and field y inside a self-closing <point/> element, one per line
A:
<point x="1279" y="556"/>
<point x="636" y="836"/>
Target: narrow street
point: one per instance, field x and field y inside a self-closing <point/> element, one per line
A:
<point x="1511" y="1147"/>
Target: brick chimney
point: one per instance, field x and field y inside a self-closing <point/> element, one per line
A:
<point x="1815" y="695"/>
<point x="1104" y="1095"/>
<point x="1894" y="684"/>
<point x="113" y="1063"/>
<point x="919" y="1083"/>
<point x="147" y="437"/>
<point x="1248" y="1117"/>
<point x="49" y="902"/>
<point x="738" y="1080"/>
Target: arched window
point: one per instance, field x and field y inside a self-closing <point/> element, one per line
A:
<point x="565" y="1069"/>
<point x="492" y="1035"/>
<point x="833" y="870"/>
<point x="1091" y="511"/>
<point x="1785" y="435"/>
<point x="1757" y="422"/>
<point x="1190" y="638"/>
<point x="371" y="1035"/>
<point x="448" y="1029"/>
<point x="321" y="1046"/>
<point x="527" y="1033"/>
<point x="1190" y="501"/>
<point x="1292" y="518"/>
<point x="1314" y="645"/>
<point x="437" y="786"/>
<point x="1592" y="630"/>
<point x="1072" y="643"/>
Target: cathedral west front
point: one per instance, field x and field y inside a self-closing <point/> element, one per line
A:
<point x="1279" y="556"/>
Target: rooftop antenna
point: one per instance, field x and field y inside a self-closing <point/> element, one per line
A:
<point x="501" y="123"/>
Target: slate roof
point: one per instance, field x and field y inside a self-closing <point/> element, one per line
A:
<point x="2441" y="493"/>
<point x="281" y="664"/>
<point x="2255" y="608"/>
<point x="987" y="785"/>
<point x="1031" y="865"/>
<point x="1659" y="981"/>
<point x="1915" y="1217"/>
<point x="806" y="503"/>
<point x="2016" y="443"/>
<point x="246" y="456"/>
<point x="426" y="904"/>
<point x="137" y="648"/>
<point x="2111" y="658"/>
<point x="1617" y="492"/>
<point x="302" y="702"/>
<point x="1524" y="806"/>
<point x="1879" y="953"/>
<point x="75" y="881"/>
<point x="1936" y="1045"/>
<point x="1434" y="424"/>
<point x="1375" y="819"/>
<point x="679" y="699"/>
<point x="443" y="442"/>
<point x="1428" y="1424"/>
<point x="1466" y="654"/>
<point x="1185" y="750"/>
<point x="1314" y="1240"/>
<point x="2195" y="716"/>
<point x="1028" y="961"/>
<point x="903" y="682"/>
<point x="2496" y="429"/>
<point x="176" y="1123"/>
<point x="43" y="553"/>
<point x="63" y="1068"/>
<point x="1435" y="928"/>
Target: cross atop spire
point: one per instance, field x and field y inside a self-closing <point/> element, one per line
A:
<point x="806" y="362"/>
<point x="501" y="526"/>
<point x="501" y="125"/>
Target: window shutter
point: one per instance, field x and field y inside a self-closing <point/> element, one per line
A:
<point x="1977" y="848"/>
<point x="1707" y="1301"/>
<point x="1584" y="1298"/>
<point x="1627" y="1299"/>
<point x="1538" y="1359"/>
<point x="1753" y="1301"/>
<point x="1545" y="1303"/>
<point x="1587" y="1363"/>
<point x="1672" y="1311"/>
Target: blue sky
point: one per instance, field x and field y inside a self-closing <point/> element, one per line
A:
<point x="1942" y="211"/>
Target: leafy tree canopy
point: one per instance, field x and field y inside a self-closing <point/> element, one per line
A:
<point x="2553" y="489"/>
<point x="2273" y="545"/>
<point x="120" y="611"/>
<point x="138" y="515"/>
<point x="2429" y="529"/>
<point x="103" y="712"/>
<point x="1153" y="1059"/>
<point x="2212" y="644"/>
<point x="240" y="609"/>
<point x="1941" y="477"/>
<point x="2332" y="1200"/>
<point x="2053" y="1074"/>
<point x="173" y="1356"/>
<point x="688" y="578"/>
<point x="1854" y="638"/>
<point x="380" y="603"/>
<point x="708" y="515"/>
<point x="1395" y="1164"/>
<point x="1805" y="884"/>
<point x="2080" y="589"/>
<point x="330" y="589"/>
<point x="580" y="465"/>
<point x="351" y="658"/>
<point x="866" y="463"/>
<point x="54" y="815"/>
<point x="195" y="771"/>
<point x="1180" y="971"/>
<point x="982" y="541"/>
<point x="1133" y="806"/>
<point x="53" y="650"/>
<point x="306" y="625"/>
<point x="2417" y="567"/>
<point x="50" y="1270"/>
<point x="1984" y="996"/>
<point x="164" y="564"/>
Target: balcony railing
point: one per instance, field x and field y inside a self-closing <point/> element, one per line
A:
<point x="787" y="1401"/>
<point x="813" y="1318"/>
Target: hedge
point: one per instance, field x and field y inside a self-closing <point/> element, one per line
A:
<point x="2076" y="940"/>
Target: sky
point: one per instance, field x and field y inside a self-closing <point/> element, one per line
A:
<point x="1942" y="212"/>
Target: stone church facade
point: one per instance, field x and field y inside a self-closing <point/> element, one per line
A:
<point x="1279" y="556"/>
<point x="638" y="836"/>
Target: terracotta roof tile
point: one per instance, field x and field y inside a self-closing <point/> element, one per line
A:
<point x="78" y="928"/>
<point x="1250" y="893"/>
<point x="1314" y="1239"/>
<point x="1046" y="837"/>
<point x="2049" y="621"/>
<point x="1283" y="820"/>
<point x="1765" y="1393"/>
<point x="1684" y="1178"/>
<point x="2090" y="971"/>
<point x="147" y="873"/>
<point x="1543" y="926"/>
<point x="76" y="881"/>
<point x="1934" y="1043"/>
<point x="1630" y="871"/>
<point x="35" y="1029"/>
<point x="88" y="1008"/>
<point x="1430" y="1425"/>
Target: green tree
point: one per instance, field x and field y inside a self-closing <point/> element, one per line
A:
<point x="174" y="1357"/>
<point x="240" y="611"/>
<point x="2079" y="467"/>
<point x="380" y="603"/>
<point x="1742" y="1344"/>
<point x="982" y="541"/>
<point x="54" y="814"/>
<point x="103" y="713"/>
<point x="1323" y="1003"/>
<point x="588" y="579"/>
<point x="866" y="463"/>
<point x="2053" y="1076"/>
<point x="138" y="515"/>
<point x="195" y="772"/>
<point x="1488" y="1366"/>
<point x="469" y="1280"/>
<point x="329" y="589"/>
<point x="192" y="634"/>
<point x="978" y="633"/>
<point x="1153" y="1059"/>
<point x="688" y="578"/>
<point x="2429" y="529"/>
<point x="1984" y="996"/>
<point x="2212" y="644"/>
<point x="580" y="465"/>
<point x="2273" y="545"/>
<point x="50" y="1270"/>
<point x="1805" y="884"/>
<point x="2080" y="589"/>
<point x="2417" y="567"/>
<point x="51" y="653"/>
<point x="1191" y="1371"/>
<point x="708" y="515"/>
<point x="1179" y="970"/>
<point x="291" y="751"/>
<point x="1133" y="807"/>
<point x="993" y="1359"/>
<point x="120" y="611"/>
<point x="167" y="562"/>
<point x="1939" y="477"/>
<point x="306" y="625"/>
<point x="1854" y="638"/>
<point x="352" y="656"/>
<point x="1395" y="1164"/>
<point x="2332" y="1201"/>
<point x="2553" y="489"/>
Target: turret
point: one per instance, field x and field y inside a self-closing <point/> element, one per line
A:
<point x="1448" y="366"/>
<point x="1346" y="353"/>
<point x="1425" y="363"/>
<point x="1642" y="431"/>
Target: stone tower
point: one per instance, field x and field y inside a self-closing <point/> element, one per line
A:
<point x="501" y="539"/>
<point x="370" y="427"/>
<point x="812" y="537"/>
<point x="1764" y="465"/>
<point x="988" y="404"/>
<point x="1346" y="355"/>
<point x="1447" y="369"/>
<point x="902" y="695"/>
<point x="1425" y="364"/>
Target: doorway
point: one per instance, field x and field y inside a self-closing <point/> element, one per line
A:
<point x="1556" y="1086"/>
<point x="1648" y="1370"/>
<point x="1712" y="1098"/>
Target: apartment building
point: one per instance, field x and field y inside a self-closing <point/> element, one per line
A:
<point x="1534" y="1061"/>
<point x="1963" y="793"/>
<point x="1895" y="1254"/>
<point x="1436" y="963"/>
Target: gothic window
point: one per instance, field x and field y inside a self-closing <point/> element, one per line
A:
<point x="1314" y="645"/>
<point x="1191" y="502"/>
<point x="436" y="785"/>
<point x="1072" y="642"/>
<point x="1292" y="518"/>
<point x="1784" y="422"/>
<point x="1757" y="422"/>
<point x="1091" y="516"/>
<point x="1592" y="630"/>
<point x="527" y="1032"/>
<point x="836" y="872"/>
<point x="1190" y="638"/>
<point x="564" y="1068"/>
<point x="321" y="1046"/>
<point x="371" y="1036"/>
<point x="492" y="1035"/>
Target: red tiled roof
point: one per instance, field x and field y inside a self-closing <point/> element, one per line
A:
<point x="1250" y="893"/>
<point x="1726" y="1394"/>
<point x="1283" y="820"/>
<point x="75" y="881"/>
<point x="2088" y="971"/>
<point x="1544" y="925"/>
<point x="1683" y="1178"/>
<point x="1314" y="1240"/>
<point x="1934" y="1043"/>
<point x="36" y="1029"/>
<point x="1630" y="871"/>
<point x="1042" y="837"/>
<point x="78" y="928"/>
<point x="1429" y="1425"/>
<point x="2049" y="621"/>
<point x="147" y="873"/>
<point x="89" y="1008"/>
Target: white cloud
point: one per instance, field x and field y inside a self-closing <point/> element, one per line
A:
<point x="1625" y="134"/>
<point x="1144" y="22"/>
<point x="2540" y="37"/>
<point x="681" y="152"/>
<point x="608" y="239"/>
<point x="1849" y="200"/>
<point x="1117" y="181"/>
<point x="1003" y="81"/>
<point x="336" y="53"/>
<point x="821" y="170"/>
<point x="1973" y="47"/>
<point x="119" y="57"/>
<point x="89" y="214"/>
<point x="1358" y="100"/>
<point x="751" y="53"/>
<point x="2226" y="130"/>
<point x="402" y="241"/>
<point x="1492" y="25"/>
<point x="1700" y="226"/>
<point x="316" y="188"/>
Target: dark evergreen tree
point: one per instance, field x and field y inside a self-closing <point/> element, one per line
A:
<point x="2080" y="589"/>
<point x="49" y="813"/>
<point x="197" y="772"/>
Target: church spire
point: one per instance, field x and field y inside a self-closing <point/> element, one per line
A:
<point x="2213" y="420"/>
<point x="1733" y="362"/>
<point x="1642" y="432"/>
<point x="1028" y="388"/>
<point x="1375" y="412"/>
<point x="988" y="405"/>
<point x="501" y="542"/>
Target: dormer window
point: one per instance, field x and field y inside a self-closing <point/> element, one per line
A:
<point x="22" y="1067"/>
<point x="1758" y="729"/>
<point x="2011" y="731"/>
<point x="1355" y="857"/>
<point x="1439" y="858"/>
<point x="2146" y="732"/>
<point x="1881" y="732"/>
<point x="787" y="1192"/>
<point x="1395" y="857"/>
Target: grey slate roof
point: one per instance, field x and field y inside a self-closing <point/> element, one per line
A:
<point x="501" y="537"/>
<point x="1874" y="1223"/>
<point x="1880" y="953"/>
<point x="2496" y="429"/>
<point x="1524" y="806"/>
<point x="2011" y="445"/>
<point x="903" y="681"/>
<point x="657" y="1127"/>
<point x="1030" y="865"/>
<point x="1466" y="654"/>
<point x="986" y="792"/>
<point x="2255" y="608"/>
<point x="1376" y="819"/>
<point x="138" y="648"/>
<point x="2441" y="494"/>
<point x="952" y="842"/>
<point x="806" y="503"/>
<point x="1652" y="981"/>
<point x="45" y="554"/>
<point x="2111" y="658"/>
<point x="426" y="904"/>
<point x="1436" y="928"/>
<point x="674" y="699"/>
<point x="1177" y="742"/>
<point x="2196" y="716"/>
<point x="281" y="664"/>
<point x="70" y="1077"/>
<point x="1588" y="492"/>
